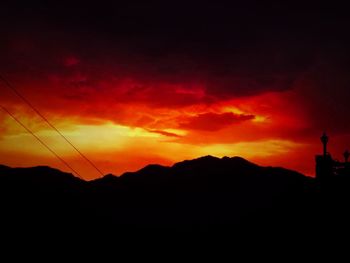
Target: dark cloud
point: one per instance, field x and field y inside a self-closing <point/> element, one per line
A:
<point x="213" y="121"/>
<point x="323" y="94"/>
<point x="165" y="133"/>
<point x="179" y="54"/>
<point x="233" y="49"/>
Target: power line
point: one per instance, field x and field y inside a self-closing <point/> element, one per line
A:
<point x="42" y="142"/>
<point x="8" y="84"/>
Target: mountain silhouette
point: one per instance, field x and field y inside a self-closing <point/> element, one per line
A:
<point x="208" y="194"/>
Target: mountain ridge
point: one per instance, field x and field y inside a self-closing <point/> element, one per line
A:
<point x="207" y="160"/>
<point x="203" y="191"/>
<point x="204" y="160"/>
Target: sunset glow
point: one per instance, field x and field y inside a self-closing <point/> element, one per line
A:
<point x="145" y="83"/>
<point x="127" y="135"/>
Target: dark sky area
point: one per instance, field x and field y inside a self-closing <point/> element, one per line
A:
<point x="232" y="50"/>
<point x="217" y="42"/>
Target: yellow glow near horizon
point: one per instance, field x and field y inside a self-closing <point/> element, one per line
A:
<point x="159" y="138"/>
<point x="103" y="137"/>
<point x="108" y="142"/>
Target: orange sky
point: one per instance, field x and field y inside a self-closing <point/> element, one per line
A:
<point x="128" y="124"/>
<point x="158" y="82"/>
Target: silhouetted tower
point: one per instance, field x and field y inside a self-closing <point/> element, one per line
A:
<point x="324" y="139"/>
<point x="324" y="163"/>
<point x="346" y="155"/>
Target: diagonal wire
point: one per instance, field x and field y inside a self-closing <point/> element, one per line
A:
<point x="42" y="142"/>
<point x="8" y="84"/>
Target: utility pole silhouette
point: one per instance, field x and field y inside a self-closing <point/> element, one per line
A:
<point x="324" y="140"/>
<point x="324" y="162"/>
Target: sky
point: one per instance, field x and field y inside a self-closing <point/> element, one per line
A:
<point x="135" y="83"/>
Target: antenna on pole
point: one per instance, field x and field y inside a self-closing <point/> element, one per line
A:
<point x="324" y="139"/>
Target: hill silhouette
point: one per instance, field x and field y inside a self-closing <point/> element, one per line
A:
<point x="208" y="194"/>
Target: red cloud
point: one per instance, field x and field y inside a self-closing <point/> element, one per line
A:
<point x="165" y="133"/>
<point x="71" y="61"/>
<point x="213" y="121"/>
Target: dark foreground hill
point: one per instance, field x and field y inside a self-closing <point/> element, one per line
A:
<point x="205" y="195"/>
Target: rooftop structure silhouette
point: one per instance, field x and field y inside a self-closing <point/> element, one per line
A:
<point x="327" y="167"/>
